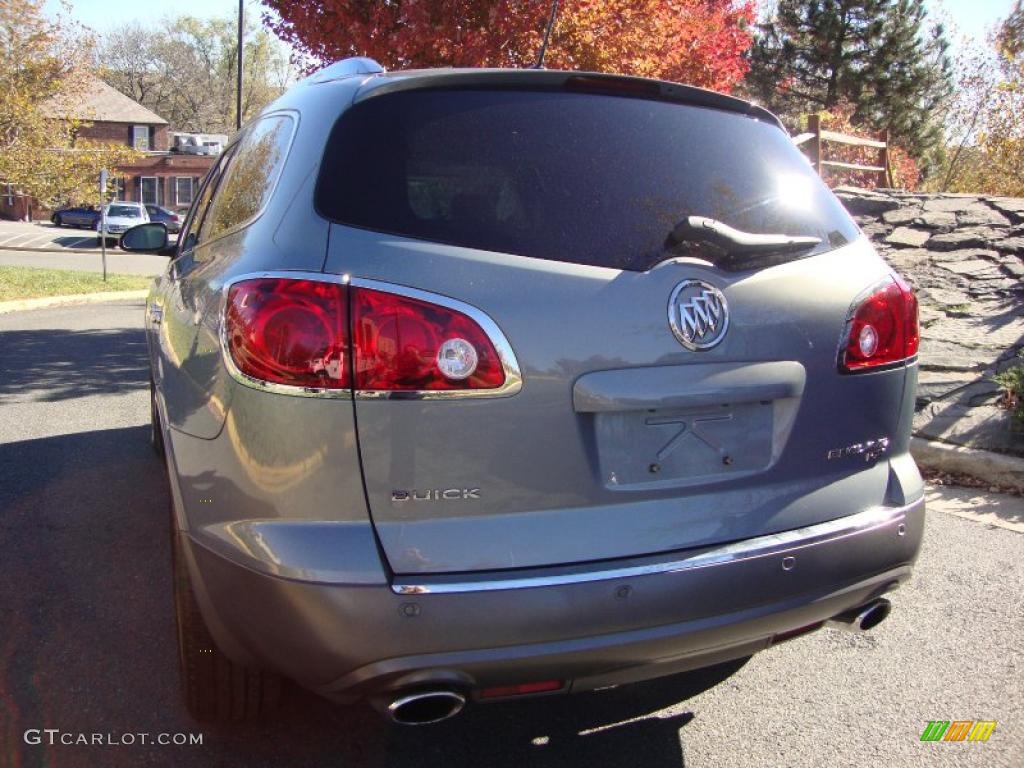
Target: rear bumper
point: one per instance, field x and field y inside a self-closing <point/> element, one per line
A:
<point x="607" y="624"/>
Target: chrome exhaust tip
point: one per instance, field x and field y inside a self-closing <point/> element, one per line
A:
<point x="425" y="707"/>
<point x="863" y="618"/>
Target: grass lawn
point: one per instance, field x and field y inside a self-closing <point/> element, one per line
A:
<point x="31" y="283"/>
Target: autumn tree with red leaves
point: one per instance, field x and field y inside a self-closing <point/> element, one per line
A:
<point x="700" y="42"/>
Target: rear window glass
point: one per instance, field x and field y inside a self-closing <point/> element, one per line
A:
<point x="584" y="178"/>
<point x="125" y="211"/>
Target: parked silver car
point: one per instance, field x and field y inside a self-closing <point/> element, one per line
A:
<point x="479" y="384"/>
<point x="121" y="215"/>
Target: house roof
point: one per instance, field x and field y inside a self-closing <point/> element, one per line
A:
<point x="99" y="102"/>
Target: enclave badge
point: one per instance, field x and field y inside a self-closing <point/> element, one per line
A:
<point x="698" y="314"/>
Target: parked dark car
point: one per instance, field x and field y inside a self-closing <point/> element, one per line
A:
<point x="84" y="217"/>
<point x="168" y="218"/>
<point x="482" y="384"/>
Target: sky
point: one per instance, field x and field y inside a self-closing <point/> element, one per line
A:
<point x="972" y="17"/>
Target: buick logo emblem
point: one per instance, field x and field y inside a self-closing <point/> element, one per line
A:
<point x="698" y="314"/>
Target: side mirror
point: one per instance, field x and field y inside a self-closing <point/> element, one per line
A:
<point x="146" y="238"/>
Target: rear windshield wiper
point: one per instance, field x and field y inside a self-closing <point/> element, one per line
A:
<point x="735" y="242"/>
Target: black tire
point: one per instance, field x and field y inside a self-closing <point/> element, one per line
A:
<point x="215" y="688"/>
<point x="57" y="220"/>
<point x="156" y="435"/>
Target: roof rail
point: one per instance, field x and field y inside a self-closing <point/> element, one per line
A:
<point x="354" y="65"/>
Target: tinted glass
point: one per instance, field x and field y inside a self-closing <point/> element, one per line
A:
<point x="127" y="211"/>
<point x="190" y="235"/>
<point x="583" y="178"/>
<point x="250" y="179"/>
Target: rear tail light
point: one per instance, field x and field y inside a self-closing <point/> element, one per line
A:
<point x="329" y="336"/>
<point x="401" y="343"/>
<point x="882" y="329"/>
<point x="289" y="332"/>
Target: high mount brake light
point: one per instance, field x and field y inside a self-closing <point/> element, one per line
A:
<point x="315" y="336"/>
<point x="882" y="329"/>
<point x="611" y="84"/>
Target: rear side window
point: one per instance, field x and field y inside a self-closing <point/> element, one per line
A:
<point x="583" y="178"/>
<point x="250" y="178"/>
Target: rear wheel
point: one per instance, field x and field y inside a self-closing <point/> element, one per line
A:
<point x="215" y="688"/>
<point x="57" y="220"/>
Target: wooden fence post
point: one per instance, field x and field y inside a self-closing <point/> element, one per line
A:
<point x="814" y="126"/>
<point x="885" y="175"/>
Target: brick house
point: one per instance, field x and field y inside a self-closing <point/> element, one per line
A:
<point x="160" y="177"/>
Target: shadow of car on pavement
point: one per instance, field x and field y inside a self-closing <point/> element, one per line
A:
<point x="89" y="641"/>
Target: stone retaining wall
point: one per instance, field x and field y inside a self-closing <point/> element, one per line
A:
<point x="965" y="256"/>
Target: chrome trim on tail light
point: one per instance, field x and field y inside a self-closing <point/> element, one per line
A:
<point x="513" y="377"/>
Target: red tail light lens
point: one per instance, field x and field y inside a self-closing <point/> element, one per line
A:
<point x="291" y="332"/>
<point x="883" y="329"/>
<point x="401" y="343"/>
<point x="295" y="332"/>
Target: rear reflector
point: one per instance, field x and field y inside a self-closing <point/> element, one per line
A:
<point x="882" y="329"/>
<point x="790" y="634"/>
<point x="319" y="335"/>
<point x="522" y="689"/>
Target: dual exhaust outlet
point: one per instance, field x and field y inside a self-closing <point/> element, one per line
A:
<point x="864" y="617"/>
<point x="430" y="706"/>
<point x="425" y="707"/>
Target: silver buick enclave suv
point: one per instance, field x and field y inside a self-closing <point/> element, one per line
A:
<point x="476" y="384"/>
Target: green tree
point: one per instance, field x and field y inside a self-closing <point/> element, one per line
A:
<point x="879" y="56"/>
<point x="184" y="70"/>
<point x="1011" y="35"/>
<point x="43" y="62"/>
<point x="986" y="118"/>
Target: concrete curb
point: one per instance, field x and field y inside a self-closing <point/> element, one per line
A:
<point x="995" y="468"/>
<point x="57" y="250"/>
<point x="63" y="301"/>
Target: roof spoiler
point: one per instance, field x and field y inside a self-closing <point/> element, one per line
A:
<point x="547" y="79"/>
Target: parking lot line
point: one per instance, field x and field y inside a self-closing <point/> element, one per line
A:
<point x="80" y="241"/>
<point x="37" y="239"/>
<point x="16" y="238"/>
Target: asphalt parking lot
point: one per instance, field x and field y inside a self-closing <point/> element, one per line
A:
<point x="41" y="244"/>
<point x="43" y="234"/>
<point x="87" y="636"/>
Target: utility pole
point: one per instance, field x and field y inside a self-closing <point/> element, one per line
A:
<point x="238" y="94"/>
<point x="103" y="221"/>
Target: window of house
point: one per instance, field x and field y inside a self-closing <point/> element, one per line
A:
<point x="140" y="137"/>
<point x="116" y="186"/>
<point x="148" y="191"/>
<point x="183" y="190"/>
